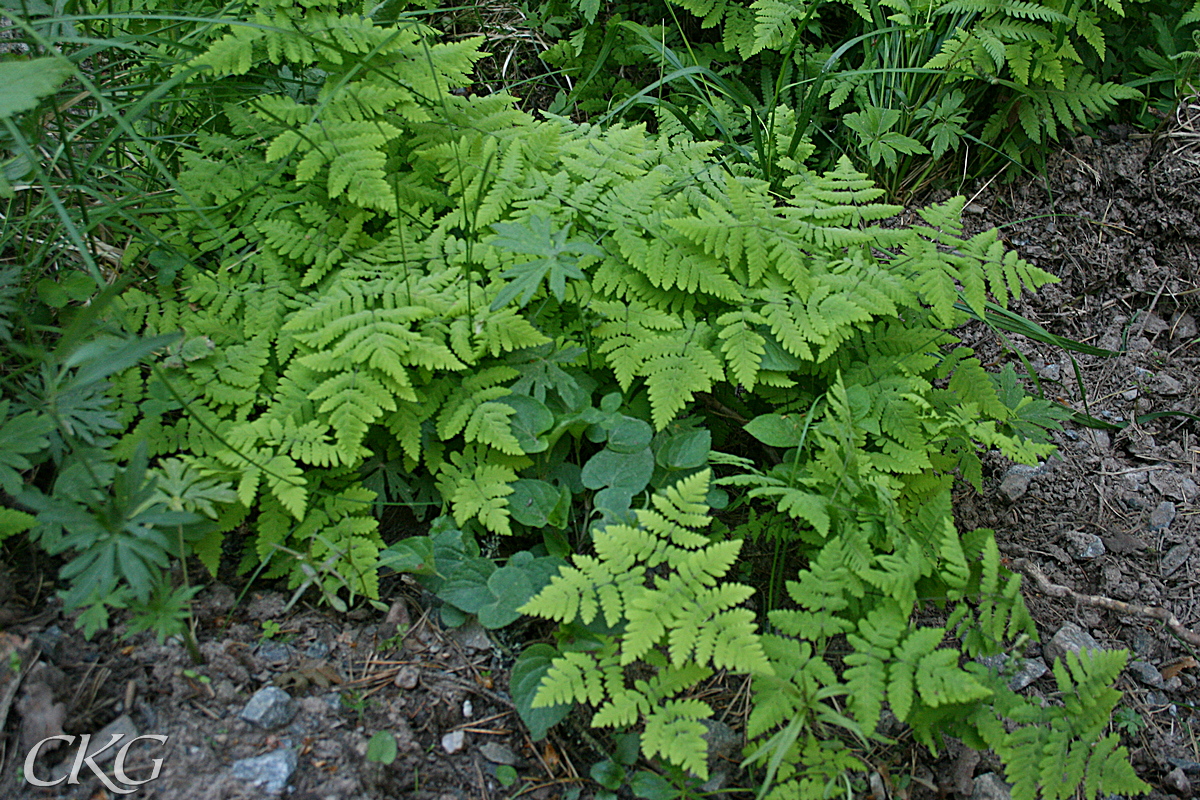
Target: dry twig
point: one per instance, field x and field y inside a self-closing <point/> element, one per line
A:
<point x="1043" y="584"/>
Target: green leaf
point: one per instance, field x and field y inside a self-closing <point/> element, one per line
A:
<point x="414" y="555"/>
<point x="523" y="683"/>
<point x="651" y="786"/>
<point x="630" y="435"/>
<point x="506" y="774"/>
<point x="27" y="81"/>
<point x="777" y="430"/>
<point x="687" y="449"/>
<point x="537" y="503"/>
<point x="381" y="748"/>
<point x="510" y="588"/>
<point x="556" y="262"/>
<point x="608" y="774"/>
<point x="627" y="471"/>
<point x="530" y="421"/>
<point x="467" y="588"/>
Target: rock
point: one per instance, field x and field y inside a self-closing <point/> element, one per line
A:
<point x="273" y="652"/>
<point x="1050" y="372"/>
<point x="472" y="636"/>
<point x="1070" y="638"/>
<point x="122" y="725"/>
<point x="498" y="753"/>
<point x="1174" y="558"/>
<point x="269" y="772"/>
<point x="1178" y="782"/>
<point x="269" y="708"/>
<point x="1166" y="385"/>
<point x="1130" y="394"/>
<point x="1162" y="516"/>
<point x="1031" y="670"/>
<point x="1084" y="546"/>
<point x="989" y="786"/>
<point x="1183" y="327"/>
<point x="453" y="741"/>
<point x="723" y="743"/>
<point x="1145" y="672"/>
<point x="1123" y="543"/>
<point x="316" y="650"/>
<point x="408" y="677"/>
<point x="1190" y="767"/>
<point x="1015" y="484"/>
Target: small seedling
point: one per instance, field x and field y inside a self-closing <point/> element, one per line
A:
<point x="381" y="749"/>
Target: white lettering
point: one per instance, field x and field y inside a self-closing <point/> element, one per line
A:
<point x="32" y="757"/>
<point x="119" y="764"/>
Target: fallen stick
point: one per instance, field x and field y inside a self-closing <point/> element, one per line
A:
<point x="1043" y="585"/>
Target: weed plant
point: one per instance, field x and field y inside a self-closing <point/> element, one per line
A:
<point x="267" y="271"/>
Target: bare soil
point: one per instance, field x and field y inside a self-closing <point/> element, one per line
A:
<point x="1116" y="218"/>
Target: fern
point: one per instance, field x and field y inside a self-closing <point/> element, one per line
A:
<point x="661" y="582"/>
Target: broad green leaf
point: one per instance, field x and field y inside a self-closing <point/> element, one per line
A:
<point x="511" y="588"/>
<point x="27" y="81"/>
<point x="533" y="502"/>
<point x="530" y="421"/>
<point x="684" y="450"/>
<point x="523" y="683"/>
<point x="414" y="554"/>
<point x="777" y="430"/>
<point x="381" y="748"/>
<point x="630" y="435"/>
<point x="628" y="471"/>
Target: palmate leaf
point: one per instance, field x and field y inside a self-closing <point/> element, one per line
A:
<point x="557" y="259"/>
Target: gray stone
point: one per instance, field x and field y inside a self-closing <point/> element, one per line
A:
<point x="269" y="708"/>
<point x="723" y="743"/>
<point x="1084" y="546"/>
<point x="1031" y="669"/>
<point x="472" y="636"/>
<point x="1014" y="486"/>
<point x="453" y="741"/>
<point x="1166" y="385"/>
<point x="121" y="726"/>
<point x="989" y="786"/>
<point x="269" y="772"/>
<point x="1178" y="782"/>
<point x="317" y="650"/>
<point x="1050" y="372"/>
<point x="1190" y="767"/>
<point x="1130" y="394"/>
<point x="1174" y="558"/>
<point x="1183" y="327"/>
<point x="1162" y="516"/>
<point x="408" y="677"/>
<point x="274" y="652"/>
<point x="1070" y="638"/>
<point x="498" y="753"/>
<point x="1145" y="672"/>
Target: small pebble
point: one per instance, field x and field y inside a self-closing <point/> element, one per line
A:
<point x="1050" y="372"/>
<point x="1178" y="782"/>
<point x="270" y="772"/>
<point x="453" y="741"/>
<point x="408" y="677"/>
<point x="1072" y="638"/>
<point x="269" y="708"/>
<point x="498" y="753"/>
<point x="1084" y="546"/>
<point x="1166" y="385"/>
<point x="989" y="786"/>
<point x="1162" y="516"/>
<point x="1174" y="558"/>
<point x="1145" y="672"/>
